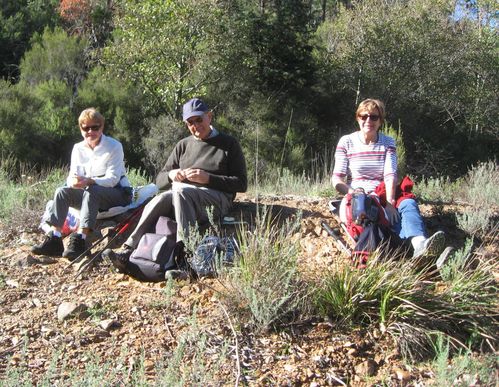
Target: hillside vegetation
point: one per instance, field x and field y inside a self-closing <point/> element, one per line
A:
<point x="284" y="77"/>
<point x="292" y="309"/>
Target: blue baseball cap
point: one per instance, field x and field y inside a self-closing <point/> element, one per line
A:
<point x="194" y="107"/>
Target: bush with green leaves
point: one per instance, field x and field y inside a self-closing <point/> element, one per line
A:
<point x="464" y="368"/>
<point x="398" y="136"/>
<point x="479" y="186"/>
<point x="164" y="132"/>
<point x="264" y="288"/>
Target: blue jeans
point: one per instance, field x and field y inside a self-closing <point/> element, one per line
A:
<point x="411" y="222"/>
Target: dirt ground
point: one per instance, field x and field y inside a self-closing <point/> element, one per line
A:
<point x="121" y="319"/>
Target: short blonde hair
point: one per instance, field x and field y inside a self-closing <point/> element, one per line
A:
<point x="91" y="114"/>
<point x="371" y="104"/>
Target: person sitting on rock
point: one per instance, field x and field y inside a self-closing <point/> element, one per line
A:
<point x="96" y="181"/>
<point x="205" y="170"/>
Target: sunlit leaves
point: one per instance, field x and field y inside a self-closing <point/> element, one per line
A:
<point x="163" y="46"/>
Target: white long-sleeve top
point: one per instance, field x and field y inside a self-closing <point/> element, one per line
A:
<point x="105" y="163"/>
<point x="366" y="165"/>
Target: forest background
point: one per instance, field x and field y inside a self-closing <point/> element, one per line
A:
<point x="284" y="77"/>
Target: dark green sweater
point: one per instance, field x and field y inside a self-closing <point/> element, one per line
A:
<point x="220" y="156"/>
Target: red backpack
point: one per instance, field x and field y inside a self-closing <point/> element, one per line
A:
<point x="362" y="210"/>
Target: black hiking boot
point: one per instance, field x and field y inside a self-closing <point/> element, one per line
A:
<point x="76" y="247"/>
<point x="51" y="246"/>
<point x="119" y="258"/>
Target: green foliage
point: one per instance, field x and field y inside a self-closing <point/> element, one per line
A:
<point x="441" y="189"/>
<point x="137" y="177"/>
<point x="271" y="181"/>
<point x="164" y="47"/>
<point x="398" y="135"/>
<point x="29" y="193"/>
<point x="475" y="221"/>
<point x="463" y="369"/>
<point x="19" y="20"/>
<point x="263" y="287"/>
<point x="164" y="132"/>
<point x="54" y="56"/>
<point x="400" y="296"/>
<point x="479" y="187"/>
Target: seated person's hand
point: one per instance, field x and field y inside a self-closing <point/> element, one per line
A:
<point x="392" y="214"/>
<point x="197" y="175"/>
<point x="79" y="182"/>
<point x="177" y="175"/>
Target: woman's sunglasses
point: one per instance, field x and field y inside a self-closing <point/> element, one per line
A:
<point x="373" y="117"/>
<point x="95" y="128"/>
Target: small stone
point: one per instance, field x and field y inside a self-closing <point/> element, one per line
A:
<point x="67" y="309"/>
<point x="109" y="324"/>
<point x="29" y="260"/>
<point x="402" y="375"/>
<point x="289" y="367"/>
<point x="36" y="302"/>
<point x="352" y="352"/>
<point x="148" y="365"/>
<point x="12" y="283"/>
<point x="366" y="368"/>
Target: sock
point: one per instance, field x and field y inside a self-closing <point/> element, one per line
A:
<point x="418" y="242"/>
<point x="56" y="233"/>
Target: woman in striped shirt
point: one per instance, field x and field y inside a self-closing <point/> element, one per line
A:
<point x="366" y="158"/>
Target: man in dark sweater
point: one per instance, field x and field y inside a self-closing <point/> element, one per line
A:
<point x="205" y="170"/>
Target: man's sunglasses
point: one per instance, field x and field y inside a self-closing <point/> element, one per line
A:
<point x="95" y="128"/>
<point x="373" y="117"/>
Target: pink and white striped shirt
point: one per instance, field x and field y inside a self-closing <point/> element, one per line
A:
<point x="365" y="165"/>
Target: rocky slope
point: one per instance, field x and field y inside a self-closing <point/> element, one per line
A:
<point x="54" y="324"/>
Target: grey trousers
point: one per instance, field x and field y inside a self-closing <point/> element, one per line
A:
<point x="187" y="204"/>
<point x="89" y="201"/>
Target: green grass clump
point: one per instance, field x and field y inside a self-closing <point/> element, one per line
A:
<point x="263" y="287"/>
<point x="410" y="303"/>
<point x="28" y="193"/>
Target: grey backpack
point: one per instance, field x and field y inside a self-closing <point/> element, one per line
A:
<point x="156" y="252"/>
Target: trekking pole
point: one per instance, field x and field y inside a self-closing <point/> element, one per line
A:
<point x="100" y="239"/>
<point x="337" y="239"/>
<point x="120" y="231"/>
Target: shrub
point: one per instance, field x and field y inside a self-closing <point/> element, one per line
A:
<point x="464" y="369"/>
<point x="475" y="221"/>
<point x="164" y="133"/>
<point x="263" y="287"/>
<point x="439" y="189"/>
<point x="479" y="187"/>
<point x="398" y="135"/>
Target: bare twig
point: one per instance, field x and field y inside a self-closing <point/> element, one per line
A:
<point x="169" y="329"/>
<point x="238" y="361"/>
<point x="10" y="349"/>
